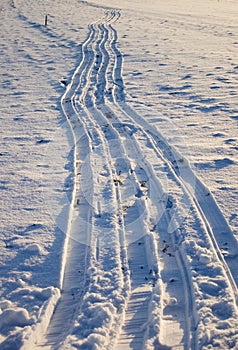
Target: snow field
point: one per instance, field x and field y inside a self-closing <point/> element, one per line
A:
<point x="148" y="260"/>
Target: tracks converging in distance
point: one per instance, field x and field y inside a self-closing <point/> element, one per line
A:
<point x="123" y="251"/>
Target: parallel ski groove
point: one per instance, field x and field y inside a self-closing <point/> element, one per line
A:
<point x="73" y="279"/>
<point x="84" y="94"/>
<point x="118" y="82"/>
<point x="99" y="120"/>
<point x="184" y="178"/>
<point x="187" y="179"/>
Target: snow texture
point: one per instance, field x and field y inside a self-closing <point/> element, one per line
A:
<point x="119" y="175"/>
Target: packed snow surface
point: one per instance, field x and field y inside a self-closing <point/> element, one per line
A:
<point x="119" y="194"/>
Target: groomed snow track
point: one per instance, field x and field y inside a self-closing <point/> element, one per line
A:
<point x="126" y="280"/>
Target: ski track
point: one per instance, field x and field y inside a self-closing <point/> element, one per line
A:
<point x="119" y="161"/>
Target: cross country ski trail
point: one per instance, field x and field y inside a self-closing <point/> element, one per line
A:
<point x="129" y="276"/>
